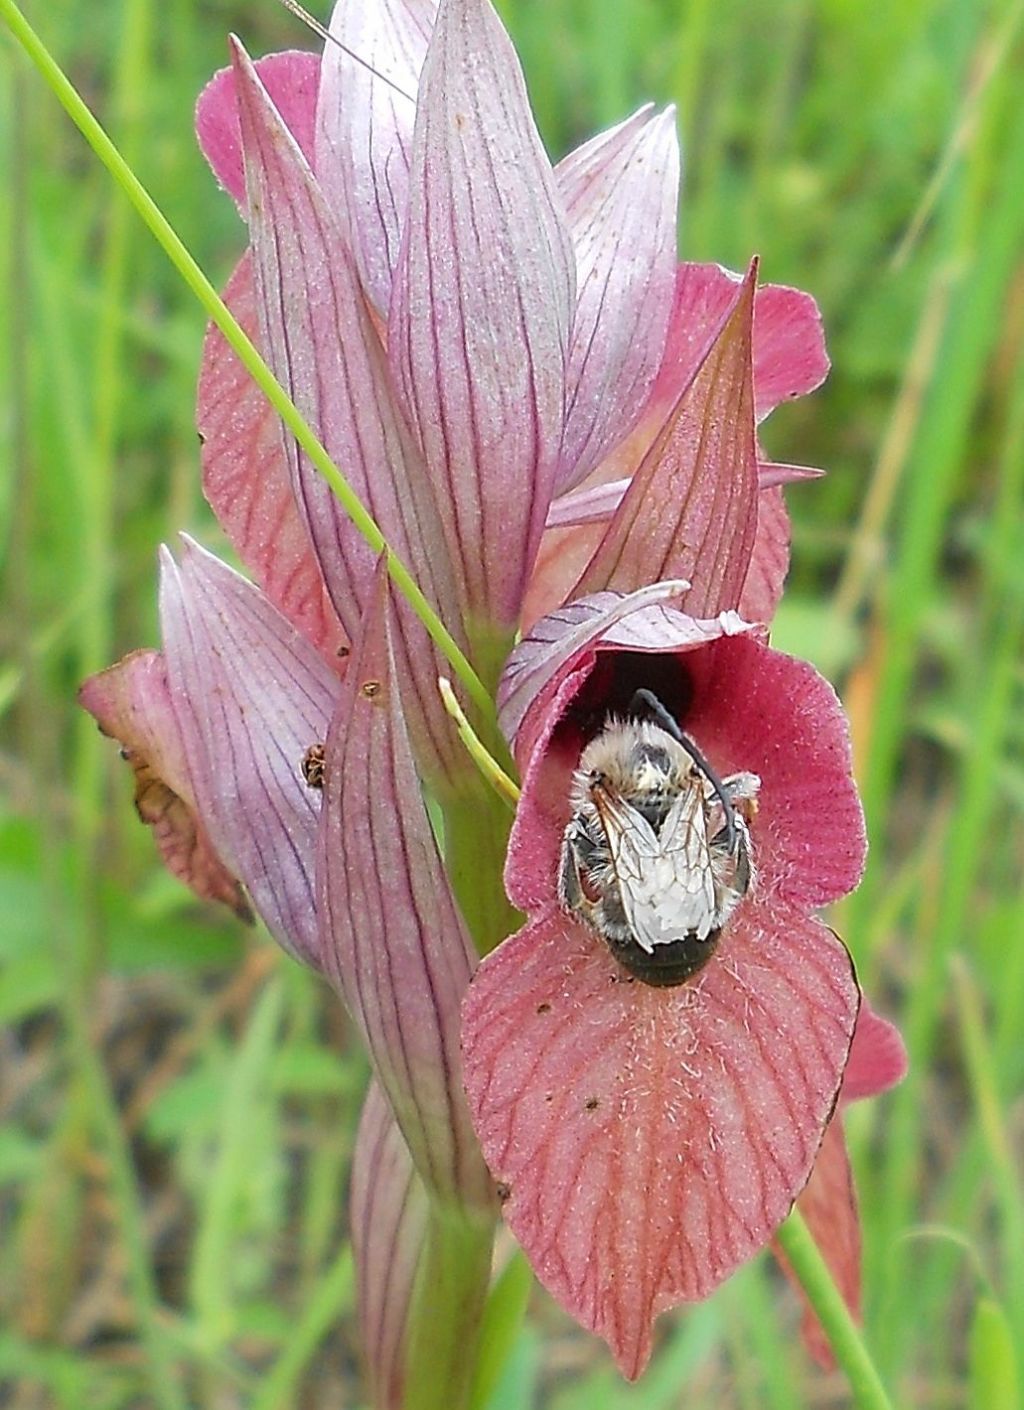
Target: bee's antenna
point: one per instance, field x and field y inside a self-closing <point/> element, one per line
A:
<point x="645" y="702"/>
<point x="328" y="37"/>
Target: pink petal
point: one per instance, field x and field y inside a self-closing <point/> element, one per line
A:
<point x="788" y="345"/>
<point x="652" y="1140"/>
<point x="769" y="561"/>
<point x="364" y="126"/>
<point x="131" y="702"/>
<point x="245" y="479"/>
<point x="482" y="307"/>
<point x="321" y="342"/>
<point x="621" y="193"/>
<point x="392" y="937"/>
<point x="587" y="506"/>
<point x="291" y="79"/>
<point x="878" y="1058"/>
<point x="250" y="695"/>
<point x="770" y="474"/>
<point x="691" y="508"/>
<point x="389" y="1211"/>
<point x="829" y="1207"/>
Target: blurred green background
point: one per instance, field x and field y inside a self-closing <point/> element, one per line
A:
<point x="177" y="1100"/>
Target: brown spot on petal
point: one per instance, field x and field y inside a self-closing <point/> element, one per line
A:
<point x="592" y="1103"/>
<point x="503" y="1191"/>
<point x="544" y="1008"/>
<point x="370" y="690"/>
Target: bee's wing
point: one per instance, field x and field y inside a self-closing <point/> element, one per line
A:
<point x="665" y="879"/>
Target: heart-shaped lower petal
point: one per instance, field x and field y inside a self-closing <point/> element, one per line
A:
<point x="651" y="1140"/>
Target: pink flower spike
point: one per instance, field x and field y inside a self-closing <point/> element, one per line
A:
<point x="652" y="1138"/>
<point x="691" y="508"/>
<point x="246" y="481"/>
<point x="250" y="696"/>
<point x="131" y="702"/>
<point x="391" y="934"/>
<point x="482" y="307"/>
<point x="621" y="192"/>
<point x="365" y="116"/>
<point x="388" y="1214"/>
<point x="291" y="79"/>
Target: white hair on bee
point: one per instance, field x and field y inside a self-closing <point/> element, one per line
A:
<point x="657" y="855"/>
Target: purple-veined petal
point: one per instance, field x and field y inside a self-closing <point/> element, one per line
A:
<point x="246" y="480"/>
<point x="769" y="558"/>
<point x="586" y="506"/>
<point x="878" y="1058"/>
<point x="131" y="702"/>
<point x="651" y="1140"/>
<point x="482" y="307"/>
<point x="291" y="79"/>
<point x="389" y="1212"/>
<point x="621" y="193"/>
<point x="595" y="504"/>
<point x="691" y="508"/>
<point x="552" y="643"/>
<point x="250" y="695"/>
<point x="365" y="115"/>
<point x="321" y="342"/>
<point x="391" y="934"/>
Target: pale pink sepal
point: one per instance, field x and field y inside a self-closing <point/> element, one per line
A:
<point x="621" y="193"/>
<point x="250" y="695"/>
<point x="482" y="306"/>
<point x="691" y="508"/>
<point x="652" y="1140"/>
<point x="388" y="1214"/>
<point x="365" y="114"/>
<point x="321" y="342"/>
<point x="130" y="701"/>
<point x="391" y="934"/>
<point x="246" y="480"/>
<point x="291" y="79"/>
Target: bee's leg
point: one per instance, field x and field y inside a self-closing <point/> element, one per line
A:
<point x="742" y="790"/>
<point x="577" y="845"/>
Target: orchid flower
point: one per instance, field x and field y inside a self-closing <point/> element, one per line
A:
<point x="554" y="425"/>
<point x="649" y="1140"/>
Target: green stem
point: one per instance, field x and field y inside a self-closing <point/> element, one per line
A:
<point x="243" y="347"/>
<point x="844" y="1337"/>
<point x="447" y="1310"/>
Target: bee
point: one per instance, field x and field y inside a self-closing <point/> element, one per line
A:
<point x="656" y="856"/>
